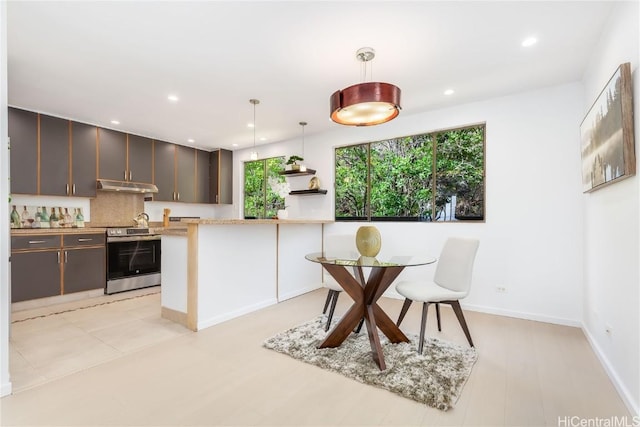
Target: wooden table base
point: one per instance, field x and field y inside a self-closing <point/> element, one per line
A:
<point x="365" y="297"/>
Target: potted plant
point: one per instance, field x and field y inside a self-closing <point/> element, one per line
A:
<point x="293" y="162"/>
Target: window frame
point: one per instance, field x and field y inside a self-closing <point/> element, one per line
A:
<point x="434" y="149"/>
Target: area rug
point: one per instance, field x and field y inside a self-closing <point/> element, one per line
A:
<point x="435" y="378"/>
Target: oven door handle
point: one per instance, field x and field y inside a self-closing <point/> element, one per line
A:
<point x="132" y="238"/>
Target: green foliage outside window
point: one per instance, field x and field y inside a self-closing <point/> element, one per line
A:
<point x="260" y="200"/>
<point x="429" y="177"/>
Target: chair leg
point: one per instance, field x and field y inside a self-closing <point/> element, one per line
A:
<point x="357" y="331"/>
<point x="423" y="324"/>
<point x="403" y="311"/>
<point x="456" y="309"/>
<point x="438" y="316"/>
<point x="326" y="303"/>
<point x="336" y="294"/>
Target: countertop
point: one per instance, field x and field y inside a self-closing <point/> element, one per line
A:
<point x="80" y="230"/>
<point x="254" y="221"/>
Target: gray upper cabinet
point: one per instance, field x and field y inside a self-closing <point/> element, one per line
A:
<point x="140" y="160"/>
<point x="202" y="176"/>
<point x="54" y="156"/>
<point x="221" y="177"/>
<point x="23" y="131"/>
<point x="186" y="174"/>
<point x="83" y="160"/>
<point x="112" y="154"/>
<point x="164" y="171"/>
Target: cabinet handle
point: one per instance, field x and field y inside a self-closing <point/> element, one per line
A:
<point x="130" y="176"/>
<point x="85" y="240"/>
<point x="73" y="189"/>
<point x="66" y="256"/>
<point x="178" y="196"/>
<point x="35" y="242"/>
<point x="217" y="198"/>
<point x="67" y="189"/>
<point x="174" y="195"/>
<point x="125" y="175"/>
<point x="58" y="256"/>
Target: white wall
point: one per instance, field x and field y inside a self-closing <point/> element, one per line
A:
<point x="5" y="383"/>
<point x="531" y="242"/>
<point x="611" y="257"/>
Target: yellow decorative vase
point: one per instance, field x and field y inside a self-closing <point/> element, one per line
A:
<point x="368" y="241"/>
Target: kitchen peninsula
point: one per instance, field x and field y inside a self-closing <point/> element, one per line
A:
<point x="219" y="269"/>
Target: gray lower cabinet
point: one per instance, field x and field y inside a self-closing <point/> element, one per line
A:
<point x="35" y="275"/>
<point x="56" y="264"/>
<point x="84" y="269"/>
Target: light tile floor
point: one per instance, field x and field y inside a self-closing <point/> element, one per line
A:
<point x="50" y="342"/>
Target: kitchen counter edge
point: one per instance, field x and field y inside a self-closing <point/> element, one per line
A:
<point x="255" y="221"/>
<point x="81" y="230"/>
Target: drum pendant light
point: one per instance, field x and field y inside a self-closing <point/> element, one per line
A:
<point x="254" y="153"/>
<point x="365" y="104"/>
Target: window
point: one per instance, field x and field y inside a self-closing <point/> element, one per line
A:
<point x="436" y="176"/>
<point x="260" y="199"/>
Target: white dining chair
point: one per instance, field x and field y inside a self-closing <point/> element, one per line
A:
<point x="451" y="283"/>
<point x="336" y="244"/>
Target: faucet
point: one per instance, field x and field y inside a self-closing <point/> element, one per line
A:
<point x="142" y="220"/>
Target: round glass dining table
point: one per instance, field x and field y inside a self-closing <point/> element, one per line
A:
<point x="365" y="294"/>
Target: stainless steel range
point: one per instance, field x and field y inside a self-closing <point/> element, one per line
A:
<point x="133" y="259"/>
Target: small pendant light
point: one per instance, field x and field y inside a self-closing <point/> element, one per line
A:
<point x="303" y="168"/>
<point x="254" y="153"/>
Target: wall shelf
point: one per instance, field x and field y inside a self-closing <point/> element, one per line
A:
<point x="298" y="172"/>
<point x="307" y="192"/>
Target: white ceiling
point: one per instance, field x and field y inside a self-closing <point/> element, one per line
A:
<point x="98" y="61"/>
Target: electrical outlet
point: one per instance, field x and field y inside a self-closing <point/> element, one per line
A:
<point x="501" y="289"/>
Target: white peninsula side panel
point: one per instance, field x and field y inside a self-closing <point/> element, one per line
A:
<point x="174" y="274"/>
<point x="237" y="270"/>
<point x="296" y="275"/>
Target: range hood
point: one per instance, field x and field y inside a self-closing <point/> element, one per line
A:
<point x="125" y="186"/>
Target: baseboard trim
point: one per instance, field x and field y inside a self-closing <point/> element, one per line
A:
<point x="613" y="376"/>
<point x="236" y="313"/>
<point x="5" y="389"/>
<point x="523" y="315"/>
<point x="507" y="313"/>
<point x="297" y="293"/>
<point x="174" y="315"/>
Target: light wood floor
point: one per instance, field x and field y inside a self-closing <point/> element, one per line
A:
<point x="527" y="374"/>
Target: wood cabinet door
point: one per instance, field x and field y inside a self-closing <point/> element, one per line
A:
<point x="186" y="174"/>
<point x="164" y="171"/>
<point x="140" y="159"/>
<point x="23" y="131"/>
<point x="83" y="159"/>
<point x="84" y="269"/>
<point x="112" y="154"/>
<point x="35" y="275"/>
<point x="202" y="176"/>
<point x="54" y="156"/>
<point x="225" y="195"/>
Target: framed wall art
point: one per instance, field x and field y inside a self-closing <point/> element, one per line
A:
<point x="607" y="141"/>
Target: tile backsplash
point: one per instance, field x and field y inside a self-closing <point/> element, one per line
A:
<point x="115" y="209"/>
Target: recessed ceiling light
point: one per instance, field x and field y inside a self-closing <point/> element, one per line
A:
<point x="191" y="140"/>
<point x="172" y="98"/>
<point x="449" y="92"/>
<point x="263" y="138"/>
<point x="115" y="122"/>
<point x="529" y="41"/>
<point x="249" y="125"/>
<point x="234" y="145"/>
